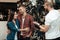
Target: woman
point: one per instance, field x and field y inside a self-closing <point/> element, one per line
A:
<point x="13" y="26"/>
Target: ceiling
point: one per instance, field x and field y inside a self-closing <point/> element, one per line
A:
<point x="9" y="0"/>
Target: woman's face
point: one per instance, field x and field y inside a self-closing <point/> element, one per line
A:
<point x="15" y="15"/>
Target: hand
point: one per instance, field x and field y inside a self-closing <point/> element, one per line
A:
<point x="36" y="23"/>
<point x="21" y="29"/>
<point x="8" y="31"/>
<point x="25" y="29"/>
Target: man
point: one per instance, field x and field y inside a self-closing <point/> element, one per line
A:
<point x="26" y="24"/>
<point x="52" y="23"/>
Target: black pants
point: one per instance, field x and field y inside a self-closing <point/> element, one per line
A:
<point x="54" y="39"/>
<point x="21" y="38"/>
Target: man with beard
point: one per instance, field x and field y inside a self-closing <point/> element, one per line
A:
<point x="26" y="24"/>
<point x="52" y="23"/>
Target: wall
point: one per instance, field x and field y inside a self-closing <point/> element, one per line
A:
<point x="9" y="0"/>
<point x="3" y="30"/>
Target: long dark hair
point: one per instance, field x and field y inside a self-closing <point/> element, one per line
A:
<point x="11" y="16"/>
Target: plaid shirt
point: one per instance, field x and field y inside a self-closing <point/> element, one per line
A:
<point x="28" y="22"/>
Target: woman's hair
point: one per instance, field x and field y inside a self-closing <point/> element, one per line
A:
<point x="11" y="16"/>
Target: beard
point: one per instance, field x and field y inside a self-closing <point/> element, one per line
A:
<point x="21" y="13"/>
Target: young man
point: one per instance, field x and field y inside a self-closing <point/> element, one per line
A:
<point x="52" y="23"/>
<point x="26" y="24"/>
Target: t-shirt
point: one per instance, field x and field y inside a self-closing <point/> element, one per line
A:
<point x="53" y="20"/>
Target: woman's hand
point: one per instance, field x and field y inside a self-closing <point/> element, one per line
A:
<point x="25" y="29"/>
<point x="8" y="31"/>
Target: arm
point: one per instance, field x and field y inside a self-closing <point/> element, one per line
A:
<point x="43" y="28"/>
<point x="25" y="29"/>
<point x="48" y="21"/>
<point x="8" y="31"/>
<point x="11" y="26"/>
<point x="31" y="25"/>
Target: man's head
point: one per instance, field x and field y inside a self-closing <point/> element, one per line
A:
<point x="22" y="9"/>
<point x="48" y="5"/>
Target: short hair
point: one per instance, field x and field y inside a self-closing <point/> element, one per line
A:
<point x="22" y="6"/>
<point x="49" y="4"/>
